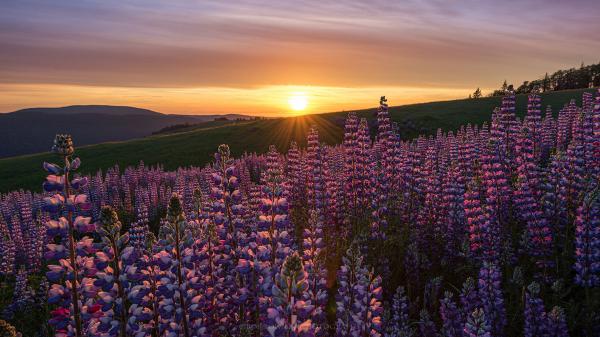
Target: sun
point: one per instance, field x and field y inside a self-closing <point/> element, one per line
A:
<point x="298" y="101"/>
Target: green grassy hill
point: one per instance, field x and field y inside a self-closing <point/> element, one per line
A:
<point x="196" y="146"/>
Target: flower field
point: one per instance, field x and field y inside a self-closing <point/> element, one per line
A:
<point x="489" y="230"/>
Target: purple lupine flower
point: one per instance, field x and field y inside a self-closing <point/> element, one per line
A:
<point x="142" y="296"/>
<point x="587" y="130"/>
<point x="72" y="274"/>
<point x="587" y="242"/>
<point x="349" y="302"/>
<point x="296" y="182"/>
<point x="573" y="173"/>
<point x="553" y="201"/>
<point x="7" y="249"/>
<point x="429" y="219"/>
<point x="495" y="180"/>
<point x="22" y="295"/>
<point x="228" y="214"/>
<point x="483" y="227"/>
<point x="110" y="276"/>
<point x="427" y="327"/>
<point x="399" y="324"/>
<point x="556" y="323"/>
<point x="533" y="122"/>
<point x="274" y="236"/>
<point x="596" y="132"/>
<point x="314" y="175"/>
<point x="139" y="229"/>
<point x="363" y="188"/>
<point x="351" y="165"/>
<point x="526" y="196"/>
<point x="17" y="237"/>
<point x="288" y="290"/>
<point x="371" y="323"/>
<point x="451" y="316"/>
<point x="176" y="238"/>
<point x="566" y="117"/>
<point x="535" y="316"/>
<point x="359" y="309"/>
<point x="386" y="148"/>
<point x="431" y="293"/>
<point x="469" y="299"/>
<point x="333" y="168"/>
<point x="505" y="126"/>
<point x="548" y="134"/>
<point x="490" y="293"/>
<point x="415" y="263"/>
<point x="477" y="325"/>
<point x="379" y="223"/>
<point x="313" y="260"/>
<point x="203" y="273"/>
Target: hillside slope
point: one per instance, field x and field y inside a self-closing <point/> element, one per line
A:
<point x="196" y="147"/>
<point x="28" y="130"/>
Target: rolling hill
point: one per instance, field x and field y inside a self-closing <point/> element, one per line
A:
<point x="27" y="131"/>
<point x="196" y="145"/>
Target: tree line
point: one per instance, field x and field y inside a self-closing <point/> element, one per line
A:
<point x="574" y="78"/>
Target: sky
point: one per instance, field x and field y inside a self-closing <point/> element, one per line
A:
<point x="249" y="56"/>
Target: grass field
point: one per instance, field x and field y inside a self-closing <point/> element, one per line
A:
<point x="195" y="147"/>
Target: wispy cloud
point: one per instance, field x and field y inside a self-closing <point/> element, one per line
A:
<point x="252" y="43"/>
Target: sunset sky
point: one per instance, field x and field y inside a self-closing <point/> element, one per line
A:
<point x="195" y="57"/>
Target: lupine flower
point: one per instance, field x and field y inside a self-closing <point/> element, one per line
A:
<point x="288" y="291"/>
<point x="538" y="231"/>
<point x="372" y="321"/>
<point x="587" y="243"/>
<point x="22" y="296"/>
<point x="71" y="270"/>
<point x="295" y="176"/>
<point x="556" y="323"/>
<point x="63" y="145"/>
<point x="7" y="250"/>
<point x="399" y="324"/>
<point x="483" y="227"/>
<point x="453" y="193"/>
<point x="227" y="213"/>
<point x="139" y="229"/>
<point x="490" y="293"/>
<point x="111" y="278"/>
<point x="315" y="182"/>
<point x="385" y="141"/>
<point x="349" y="302"/>
<point x="313" y="259"/>
<point x="477" y="325"/>
<point x="359" y="296"/>
<point x="535" y="316"/>
<point x="427" y="327"/>
<point x="177" y="239"/>
<point x="451" y="316"/>
<point x="351" y="165"/>
<point x="363" y="190"/>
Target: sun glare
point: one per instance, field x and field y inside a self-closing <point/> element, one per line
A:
<point x="298" y="101"/>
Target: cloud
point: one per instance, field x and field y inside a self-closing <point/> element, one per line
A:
<point x="248" y="44"/>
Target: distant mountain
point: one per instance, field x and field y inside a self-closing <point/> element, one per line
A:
<point x="31" y="130"/>
<point x="90" y="109"/>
